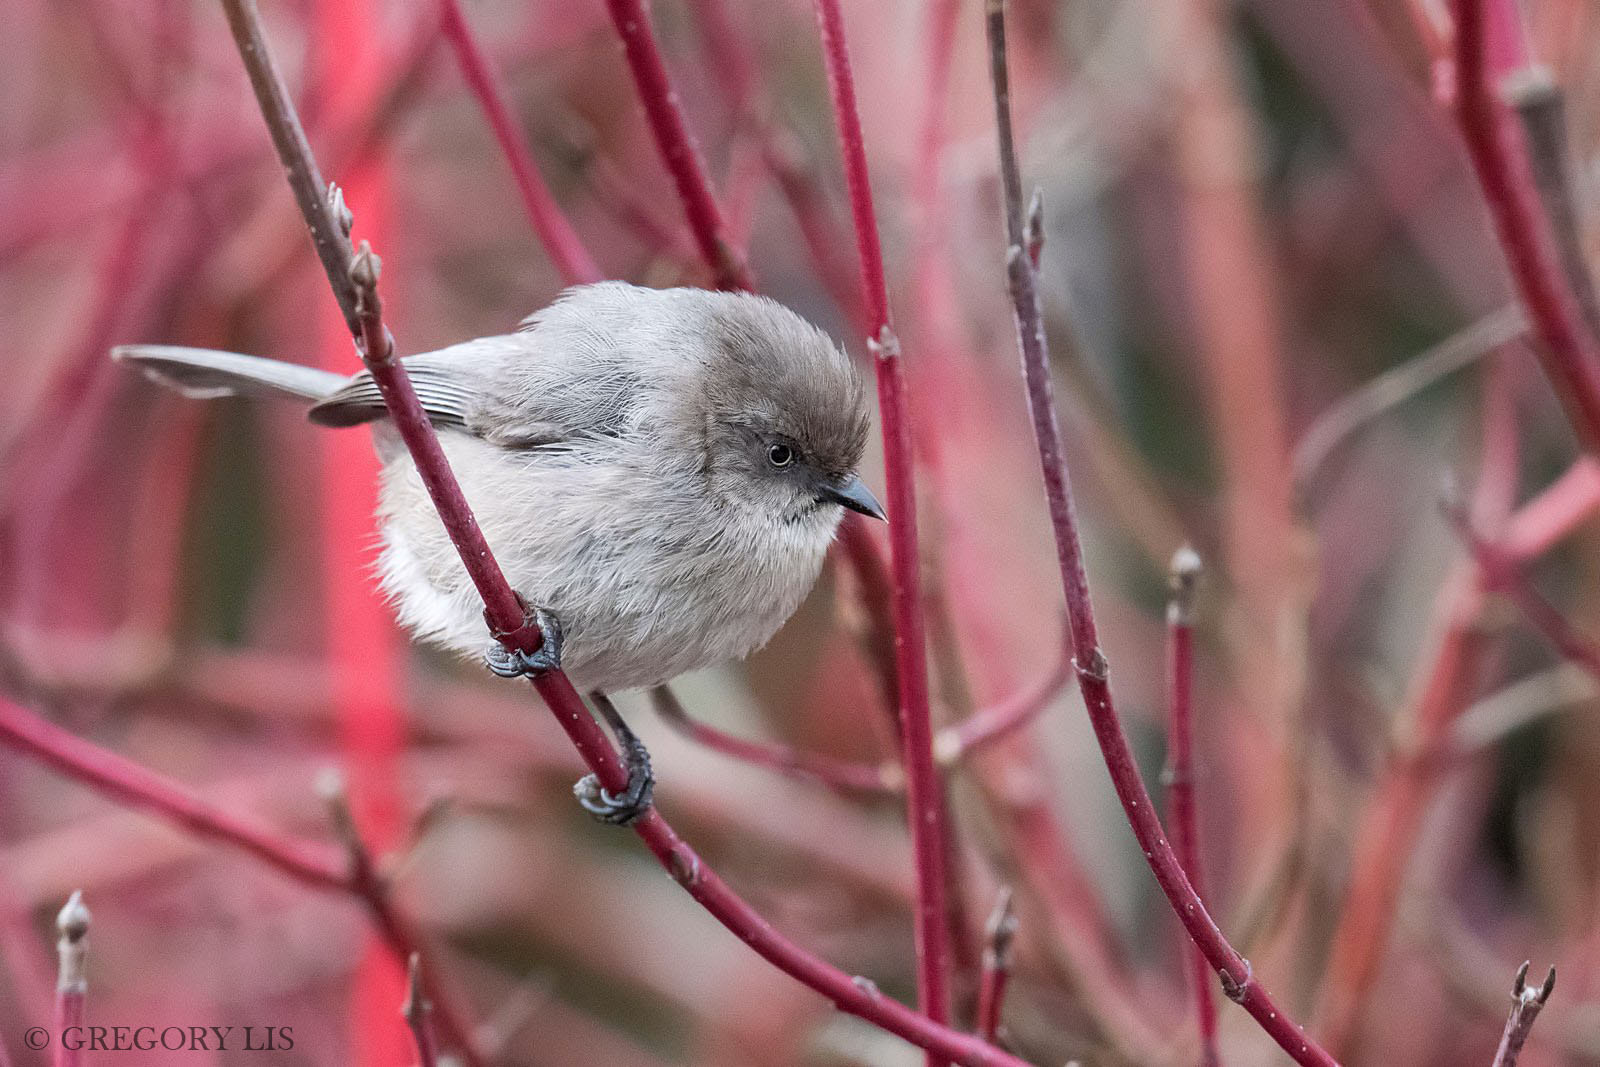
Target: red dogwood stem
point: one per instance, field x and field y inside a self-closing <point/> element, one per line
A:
<point x="924" y="796"/>
<point x="128" y="783"/>
<point x="1184" y="576"/>
<point x="1570" y="356"/>
<point x="678" y="149"/>
<point x="561" y="242"/>
<point x="1089" y="661"/>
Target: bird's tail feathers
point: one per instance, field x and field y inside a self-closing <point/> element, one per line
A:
<point x="206" y="374"/>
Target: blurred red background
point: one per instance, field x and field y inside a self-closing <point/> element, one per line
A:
<point x="1280" y="319"/>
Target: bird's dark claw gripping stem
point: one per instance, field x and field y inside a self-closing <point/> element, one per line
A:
<point x="618" y="809"/>
<point x="508" y="661"/>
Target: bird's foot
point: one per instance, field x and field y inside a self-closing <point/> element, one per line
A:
<point x="636" y="798"/>
<point x="508" y="661"/>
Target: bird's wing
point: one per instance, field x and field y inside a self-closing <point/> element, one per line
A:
<point x="500" y="389"/>
<point x="447" y="398"/>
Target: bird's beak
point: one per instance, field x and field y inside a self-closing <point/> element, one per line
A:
<point x="853" y="494"/>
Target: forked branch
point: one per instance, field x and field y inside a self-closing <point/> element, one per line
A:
<point x="1526" y="1003"/>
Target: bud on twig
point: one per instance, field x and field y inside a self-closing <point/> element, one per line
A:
<point x="1183" y="580"/>
<point x="73" y="924"/>
<point x="366" y="267"/>
<point x="341" y="210"/>
<point x="999" y="933"/>
<point x="72" y="980"/>
<point x="1033" y="227"/>
<point x="1526" y="1003"/>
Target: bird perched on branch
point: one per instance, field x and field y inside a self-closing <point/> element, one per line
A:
<point x="659" y="473"/>
<point x="661" y="470"/>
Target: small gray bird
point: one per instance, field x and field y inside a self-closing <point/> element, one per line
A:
<point x="659" y="470"/>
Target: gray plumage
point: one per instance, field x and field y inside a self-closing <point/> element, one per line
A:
<point x="661" y="469"/>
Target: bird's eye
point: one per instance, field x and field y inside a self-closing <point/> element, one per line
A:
<point x="779" y="454"/>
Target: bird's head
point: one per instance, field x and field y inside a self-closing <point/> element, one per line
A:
<point x="785" y="415"/>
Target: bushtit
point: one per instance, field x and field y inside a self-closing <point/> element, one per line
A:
<point x="660" y="470"/>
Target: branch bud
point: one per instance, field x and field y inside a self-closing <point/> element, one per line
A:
<point x="73" y="924"/>
<point x="341" y="210"/>
<point x="1183" y="580"/>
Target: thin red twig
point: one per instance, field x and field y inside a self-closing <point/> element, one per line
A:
<point x="318" y="866"/>
<point x="72" y="982"/>
<point x="1238" y="980"/>
<point x="732" y="59"/>
<point x="847" y="776"/>
<point x="1526" y="1003"/>
<point x="1502" y="574"/>
<point x="984" y="727"/>
<point x="875" y="592"/>
<point x="676" y="144"/>
<point x="561" y="242"/>
<point x="1184" y="577"/>
<point x="951" y="746"/>
<point x="924" y="790"/>
<point x="1000" y="932"/>
<point x="1569" y="354"/>
<point x="135" y="786"/>
<point x="354" y="280"/>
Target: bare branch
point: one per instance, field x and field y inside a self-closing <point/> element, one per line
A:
<point x="1238" y="981"/>
<point x="1568" y="351"/>
<point x="561" y="242"/>
<point x="925" y="802"/>
<point x="867" y="779"/>
<point x="679" y="152"/>
<point x="1183" y="585"/>
<point x="1526" y="1003"/>
<point x="1541" y="108"/>
<point x="1501" y="573"/>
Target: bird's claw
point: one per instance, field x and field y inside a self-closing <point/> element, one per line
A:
<point x="509" y="661"/>
<point x="620" y="809"/>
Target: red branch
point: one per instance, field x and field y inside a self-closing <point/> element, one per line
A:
<point x="1184" y="576"/>
<point x="846" y="776"/>
<point x="676" y="144"/>
<point x="354" y="281"/>
<point x="951" y="745"/>
<point x="984" y="727"/>
<point x="128" y="783"/>
<point x="1571" y="357"/>
<point x="924" y="790"/>
<point x="1238" y="981"/>
<point x="561" y="242"/>
<point x="1502" y="573"/>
